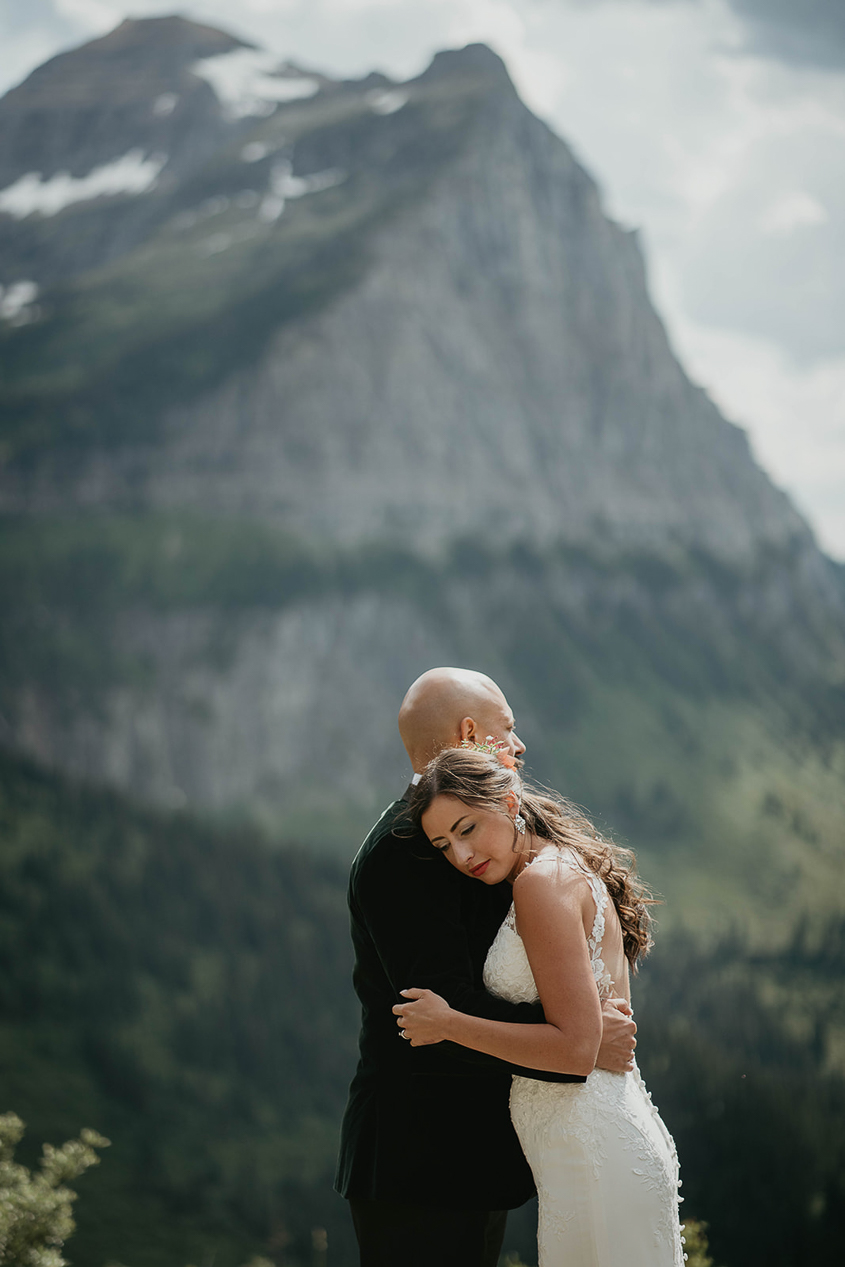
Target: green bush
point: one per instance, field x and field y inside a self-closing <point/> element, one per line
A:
<point x="35" y="1209"/>
<point x="695" y="1244"/>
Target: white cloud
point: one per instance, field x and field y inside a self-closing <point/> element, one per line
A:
<point x="96" y="15"/>
<point x="497" y="22"/>
<point x="794" y="210"/>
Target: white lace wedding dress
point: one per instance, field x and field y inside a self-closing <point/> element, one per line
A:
<point x="604" y="1164"/>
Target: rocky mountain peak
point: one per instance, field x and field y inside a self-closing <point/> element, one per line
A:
<point x="167" y="37"/>
<point x="477" y="60"/>
<point x="156" y="49"/>
<point x="161" y="39"/>
<point x="132" y="89"/>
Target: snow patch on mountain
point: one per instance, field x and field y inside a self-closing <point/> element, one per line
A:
<point x="250" y="82"/>
<point x="386" y="101"/>
<point x="284" y="185"/>
<point x="17" y="302"/>
<point x="254" y="151"/>
<point x="31" y="195"/>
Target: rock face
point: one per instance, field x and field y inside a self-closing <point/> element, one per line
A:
<point x="500" y="369"/>
<point x="500" y="348"/>
<point x="391" y="323"/>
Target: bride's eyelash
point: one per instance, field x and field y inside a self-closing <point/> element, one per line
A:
<point x="466" y="831"/>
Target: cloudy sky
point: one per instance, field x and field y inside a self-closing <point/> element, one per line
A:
<point x="716" y="126"/>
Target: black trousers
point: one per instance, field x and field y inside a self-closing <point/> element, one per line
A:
<point x="393" y="1235"/>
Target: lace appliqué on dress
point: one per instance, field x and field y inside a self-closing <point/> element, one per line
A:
<point x="603" y="979"/>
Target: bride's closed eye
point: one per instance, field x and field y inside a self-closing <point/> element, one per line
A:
<point x="441" y="848"/>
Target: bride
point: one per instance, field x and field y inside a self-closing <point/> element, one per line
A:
<point x="604" y="1164"/>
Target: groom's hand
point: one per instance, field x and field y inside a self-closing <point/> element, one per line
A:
<point x="423" y="1019"/>
<point x="616" y="1052"/>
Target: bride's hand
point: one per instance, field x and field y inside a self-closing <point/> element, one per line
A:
<point x="424" y="1018"/>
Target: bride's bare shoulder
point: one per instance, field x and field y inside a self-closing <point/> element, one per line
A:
<point x="550" y="876"/>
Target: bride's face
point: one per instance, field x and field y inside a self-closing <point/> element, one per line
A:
<point x="479" y="842"/>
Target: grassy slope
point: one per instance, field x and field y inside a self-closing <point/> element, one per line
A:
<point x="735" y="820"/>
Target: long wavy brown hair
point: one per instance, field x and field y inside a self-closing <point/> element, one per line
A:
<point x="482" y="780"/>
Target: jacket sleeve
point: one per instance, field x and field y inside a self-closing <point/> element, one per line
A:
<point x="411" y="907"/>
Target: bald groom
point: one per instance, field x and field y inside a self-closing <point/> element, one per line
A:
<point x="429" y="1160"/>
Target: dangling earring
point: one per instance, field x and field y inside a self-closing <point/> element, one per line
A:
<point x="519" y="824"/>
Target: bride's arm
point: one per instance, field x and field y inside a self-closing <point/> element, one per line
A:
<point x="553" y="912"/>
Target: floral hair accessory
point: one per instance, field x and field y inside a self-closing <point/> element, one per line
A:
<point x="494" y="748"/>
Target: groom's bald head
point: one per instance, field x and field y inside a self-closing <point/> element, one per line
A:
<point x="445" y="706"/>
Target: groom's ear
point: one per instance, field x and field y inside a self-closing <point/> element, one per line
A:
<point x="468" y="730"/>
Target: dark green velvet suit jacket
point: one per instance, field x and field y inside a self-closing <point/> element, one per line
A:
<point x="427" y="1125"/>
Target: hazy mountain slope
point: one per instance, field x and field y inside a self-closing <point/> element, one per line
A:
<point x="377" y="385"/>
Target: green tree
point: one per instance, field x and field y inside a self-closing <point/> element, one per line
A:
<point x="35" y="1208"/>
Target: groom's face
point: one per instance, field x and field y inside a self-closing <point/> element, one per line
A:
<point x="495" y="718"/>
